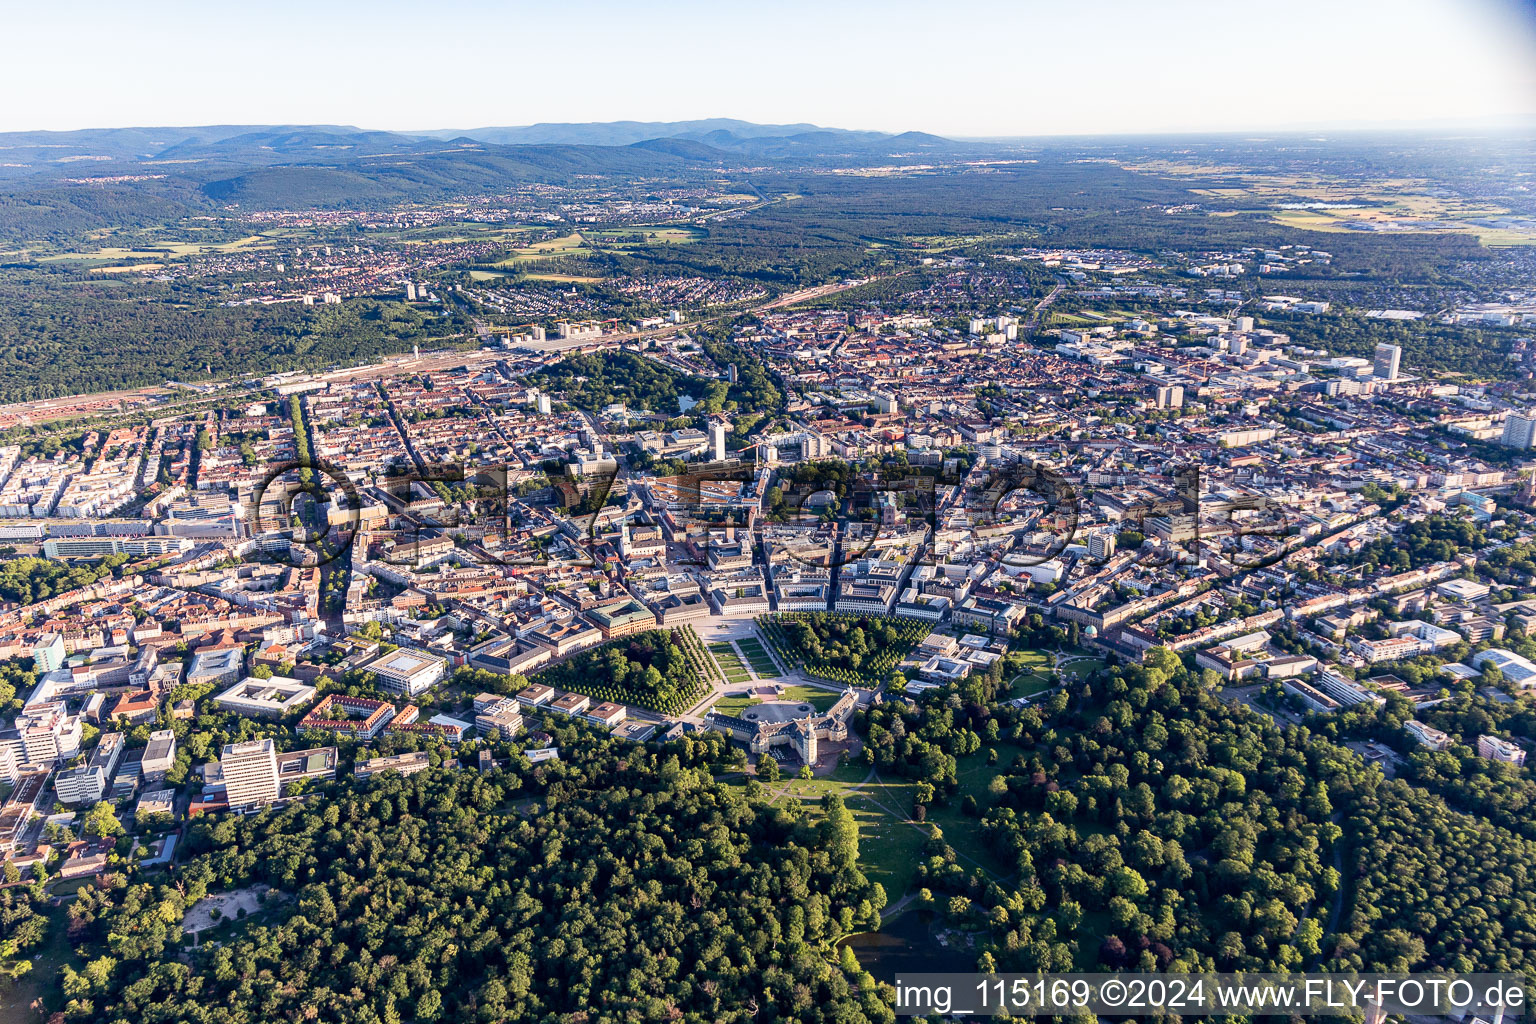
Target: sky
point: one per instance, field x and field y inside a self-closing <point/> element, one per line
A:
<point x="961" y="68"/>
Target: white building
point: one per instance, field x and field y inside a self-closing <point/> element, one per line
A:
<point x="250" y="774"/>
<point x="1519" y="431"/>
<point x="408" y="672"/>
<point x="159" y="755"/>
<point x="1495" y="749"/>
<point x="717" y="429"/>
<point x="1516" y="669"/>
<point x="265" y="698"/>
<point x="1427" y="735"/>
<point x="45" y="734"/>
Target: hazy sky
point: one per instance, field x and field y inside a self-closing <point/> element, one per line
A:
<point x="953" y="67"/>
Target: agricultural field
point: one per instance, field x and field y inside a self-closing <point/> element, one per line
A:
<point x="564" y="278"/>
<point x="1317" y="202"/>
<point x="158" y="250"/>
<point x="622" y="238"/>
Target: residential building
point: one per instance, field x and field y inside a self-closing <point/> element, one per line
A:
<point x="1519" y="431"/>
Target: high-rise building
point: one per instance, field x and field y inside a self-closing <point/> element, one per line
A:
<point x="49" y="652"/>
<point x="1388" y="359"/>
<point x="250" y="774"/>
<point x="717" y="440"/>
<point x="1170" y="396"/>
<point x="1519" y="431"/>
<point x="1101" y="545"/>
<point x="45" y="734"/>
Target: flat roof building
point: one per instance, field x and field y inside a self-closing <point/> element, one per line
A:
<point x="408" y="672"/>
<point x="265" y="698"/>
<point x="250" y="774"/>
<point x="159" y="755"/>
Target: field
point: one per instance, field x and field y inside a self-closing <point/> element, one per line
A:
<point x="816" y="697"/>
<point x="734" y="704"/>
<point x="564" y="278"/>
<point x="158" y="250"/>
<point x="621" y="238"/>
<point x="1079" y="665"/>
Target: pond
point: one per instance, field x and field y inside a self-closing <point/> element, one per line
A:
<point x="918" y="941"/>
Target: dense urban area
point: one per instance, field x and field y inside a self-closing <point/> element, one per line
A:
<point x="699" y="578"/>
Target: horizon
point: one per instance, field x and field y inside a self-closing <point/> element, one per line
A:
<point x="987" y="70"/>
<point x="1489" y="126"/>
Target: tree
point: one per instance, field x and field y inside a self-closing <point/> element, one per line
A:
<point x="840" y="831"/>
<point x="101" y="821"/>
<point x="768" y="769"/>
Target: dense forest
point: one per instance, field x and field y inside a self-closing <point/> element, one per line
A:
<point x="1149" y="825"/>
<point x="1481" y="352"/>
<point x="27" y="580"/>
<point x="23" y="925"/>
<point x="80" y="339"/>
<point x="619" y="883"/>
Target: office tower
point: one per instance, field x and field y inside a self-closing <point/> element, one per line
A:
<point x="250" y="774"/>
<point x="1388" y="358"/>
<point x="1519" y="431"/>
<point x="717" y="440"/>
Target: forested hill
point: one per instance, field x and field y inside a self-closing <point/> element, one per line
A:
<point x="643" y="890"/>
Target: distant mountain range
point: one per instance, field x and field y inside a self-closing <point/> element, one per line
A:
<point x="57" y="184"/>
<point x="74" y="153"/>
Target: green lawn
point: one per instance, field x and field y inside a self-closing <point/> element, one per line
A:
<point x="960" y="830"/>
<point x="730" y="663"/>
<point x="1027" y="684"/>
<point x="890" y="843"/>
<point x="819" y="699"/>
<point x="1081" y="667"/>
<point x="734" y="704"/>
<point x="758" y="657"/>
